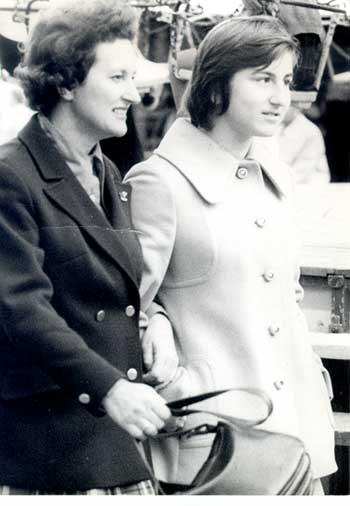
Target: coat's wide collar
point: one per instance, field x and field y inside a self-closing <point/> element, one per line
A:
<point x="65" y="190"/>
<point x="210" y="168"/>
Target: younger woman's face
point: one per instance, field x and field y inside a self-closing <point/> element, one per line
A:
<point x="259" y="98"/>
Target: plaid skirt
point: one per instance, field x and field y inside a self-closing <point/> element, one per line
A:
<point x="141" y="488"/>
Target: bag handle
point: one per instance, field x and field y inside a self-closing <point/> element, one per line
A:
<point x="177" y="408"/>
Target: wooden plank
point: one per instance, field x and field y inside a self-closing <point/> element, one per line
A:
<point x="324" y="220"/>
<point x="333" y="346"/>
<point x="342" y="429"/>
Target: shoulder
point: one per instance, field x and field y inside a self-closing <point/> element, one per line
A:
<point x="305" y="128"/>
<point x="18" y="166"/>
<point x="156" y="170"/>
<point x="11" y="150"/>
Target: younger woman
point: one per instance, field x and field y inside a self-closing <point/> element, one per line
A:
<point x="214" y="210"/>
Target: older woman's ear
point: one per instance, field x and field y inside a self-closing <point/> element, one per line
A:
<point x="66" y="94"/>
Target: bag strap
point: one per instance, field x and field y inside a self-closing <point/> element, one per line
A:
<point x="177" y="408"/>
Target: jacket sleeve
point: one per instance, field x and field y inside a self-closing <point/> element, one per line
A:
<point x="28" y="321"/>
<point x="154" y="218"/>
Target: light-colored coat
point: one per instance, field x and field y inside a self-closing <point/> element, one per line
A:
<point x="221" y="251"/>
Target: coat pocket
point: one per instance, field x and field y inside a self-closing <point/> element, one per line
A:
<point x="179" y="459"/>
<point x="62" y="244"/>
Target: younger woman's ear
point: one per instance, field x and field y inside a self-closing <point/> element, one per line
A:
<point x="215" y="99"/>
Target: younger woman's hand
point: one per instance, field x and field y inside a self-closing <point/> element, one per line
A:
<point x="159" y="352"/>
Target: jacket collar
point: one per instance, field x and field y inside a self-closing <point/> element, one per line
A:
<point x="49" y="163"/>
<point x="65" y="190"/>
<point x="208" y="167"/>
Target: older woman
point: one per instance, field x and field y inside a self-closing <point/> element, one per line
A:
<point x="214" y="211"/>
<point x="71" y="397"/>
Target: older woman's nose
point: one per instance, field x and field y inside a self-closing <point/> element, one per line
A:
<point x="131" y="93"/>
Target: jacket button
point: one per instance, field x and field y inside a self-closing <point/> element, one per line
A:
<point x="132" y="374"/>
<point x="100" y="315"/>
<point x="123" y="196"/>
<point x="242" y="173"/>
<point x="278" y="384"/>
<point x="268" y="276"/>
<point x="274" y="329"/>
<point x="130" y="311"/>
<point x="84" y="398"/>
<point x="260" y="222"/>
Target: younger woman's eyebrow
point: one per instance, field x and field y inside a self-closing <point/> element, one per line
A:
<point x="269" y="73"/>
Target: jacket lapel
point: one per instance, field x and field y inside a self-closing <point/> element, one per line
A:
<point x="65" y="191"/>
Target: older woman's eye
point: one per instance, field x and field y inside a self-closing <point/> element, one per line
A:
<point x="264" y="79"/>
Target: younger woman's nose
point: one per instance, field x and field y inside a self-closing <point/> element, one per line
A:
<point x="281" y="95"/>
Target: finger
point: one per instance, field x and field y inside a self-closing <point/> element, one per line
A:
<point x="135" y="432"/>
<point x="148" y="429"/>
<point x="147" y="353"/>
<point x="149" y="379"/>
<point x="159" y="371"/>
<point x="162" y="411"/>
<point x="161" y="374"/>
<point x="155" y="419"/>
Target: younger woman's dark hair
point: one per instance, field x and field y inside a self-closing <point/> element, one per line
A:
<point x="62" y="45"/>
<point x="233" y="45"/>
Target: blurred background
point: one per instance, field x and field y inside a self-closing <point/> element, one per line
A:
<point x="168" y="27"/>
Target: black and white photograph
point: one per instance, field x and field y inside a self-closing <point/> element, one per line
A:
<point x="174" y="250"/>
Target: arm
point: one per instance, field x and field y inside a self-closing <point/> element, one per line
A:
<point x="153" y="213"/>
<point x="154" y="217"/>
<point x="31" y="326"/>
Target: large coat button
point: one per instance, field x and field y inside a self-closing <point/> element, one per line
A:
<point x="130" y="311"/>
<point x="132" y="374"/>
<point x="274" y="329"/>
<point x="84" y="398"/>
<point x="278" y="384"/>
<point x="100" y="316"/>
<point x="242" y="173"/>
<point x="268" y="276"/>
<point x="260" y="222"/>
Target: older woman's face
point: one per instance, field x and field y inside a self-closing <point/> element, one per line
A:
<point x="259" y="98"/>
<point x="99" y="105"/>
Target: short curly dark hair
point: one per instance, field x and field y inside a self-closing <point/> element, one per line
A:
<point x="61" y="48"/>
<point x="233" y="45"/>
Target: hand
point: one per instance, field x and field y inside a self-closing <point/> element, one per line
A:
<point x="136" y="408"/>
<point x="159" y="352"/>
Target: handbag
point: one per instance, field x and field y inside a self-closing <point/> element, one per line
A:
<point x="243" y="460"/>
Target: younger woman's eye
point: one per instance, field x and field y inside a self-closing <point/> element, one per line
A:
<point x="117" y="77"/>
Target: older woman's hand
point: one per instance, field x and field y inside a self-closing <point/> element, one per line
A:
<point x="159" y="352"/>
<point x="136" y="408"/>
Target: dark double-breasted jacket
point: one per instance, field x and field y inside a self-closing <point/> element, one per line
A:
<point x="69" y="307"/>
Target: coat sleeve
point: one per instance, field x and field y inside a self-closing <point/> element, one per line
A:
<point x="154" y="218"/>
<point x="299" y="293"/>
<point x="28" y="321"/>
